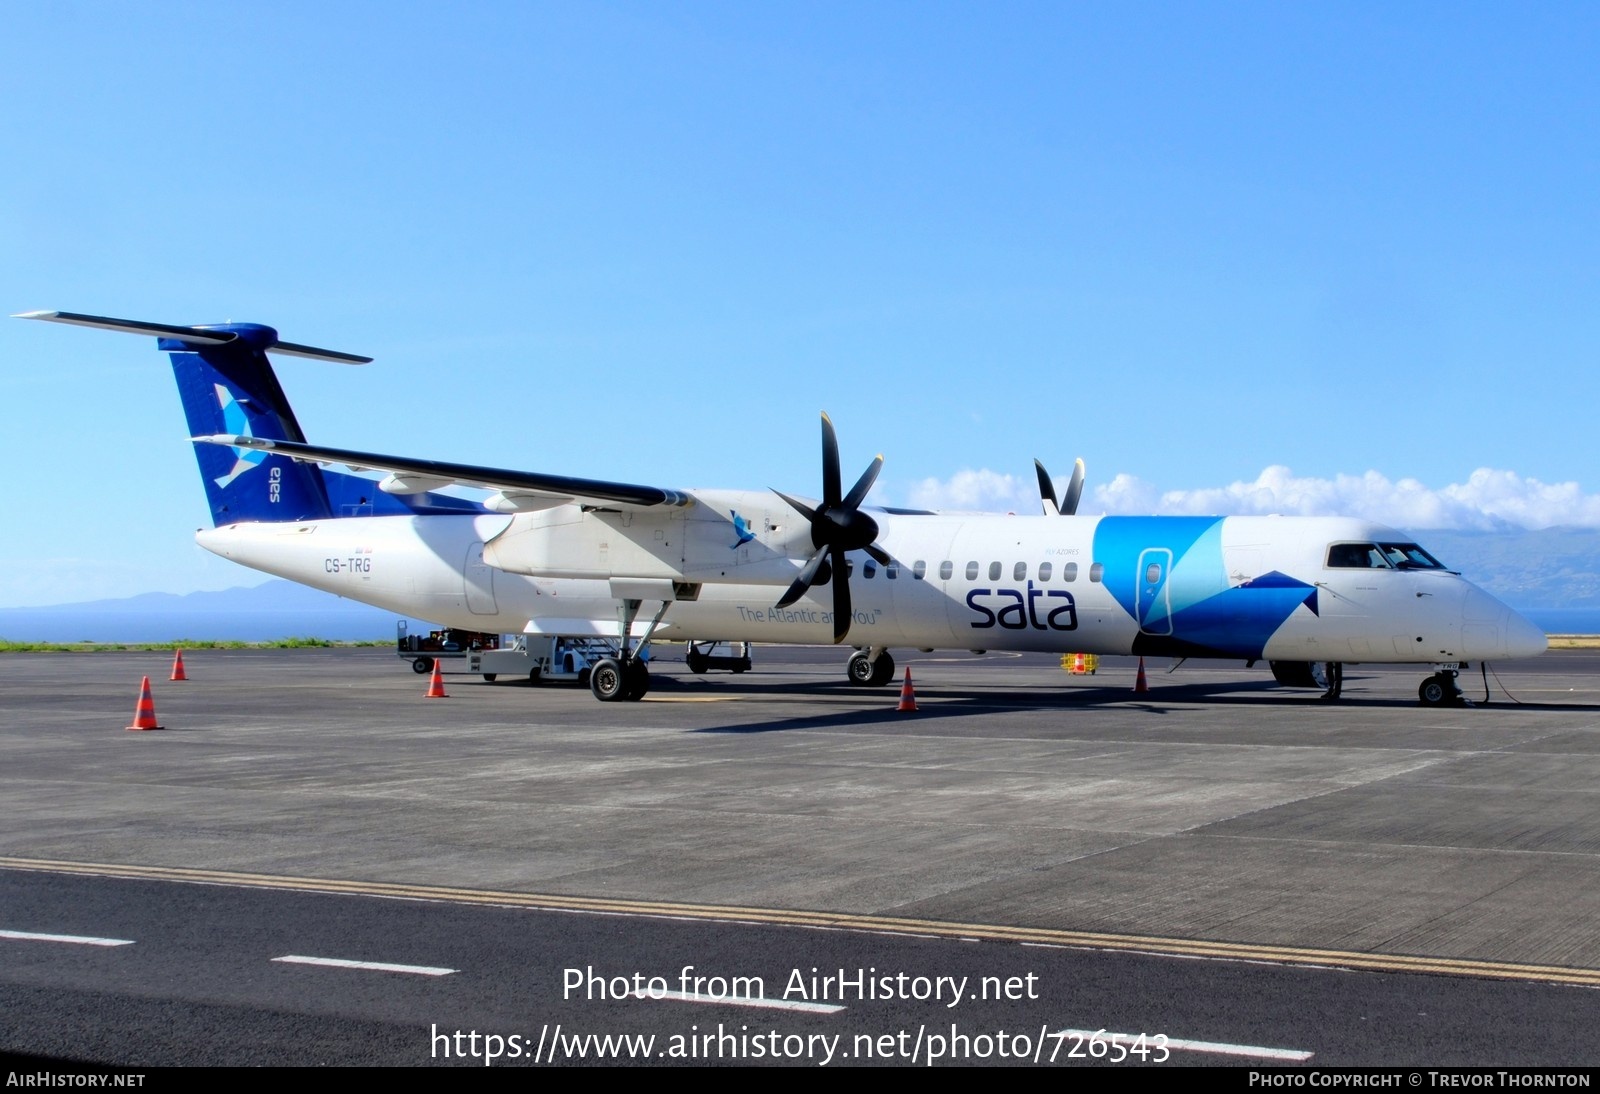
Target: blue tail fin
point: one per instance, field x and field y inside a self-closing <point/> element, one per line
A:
<point x="228" y="386"/>
<point x="231" y="388"/>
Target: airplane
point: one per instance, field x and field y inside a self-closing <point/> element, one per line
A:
<point x="554" y="555"/>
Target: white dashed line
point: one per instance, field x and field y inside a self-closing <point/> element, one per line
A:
<point x="368" y="966"/>
<point x="81" y="940"/>
<point x="1219" y="1048"/>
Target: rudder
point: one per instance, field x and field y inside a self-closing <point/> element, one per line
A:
<point x="231" y="388"/>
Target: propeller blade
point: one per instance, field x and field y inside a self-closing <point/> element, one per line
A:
<point x="808" y="574"/>
<point x="799" y="507"/>
<point x="858" y="492"/>
<point x="830" y="463"/>
<point x="841" y="596"/>
<point x="837" y="526"/>
<point x="1047" y="490"/>
<point x="1069" y="503"/>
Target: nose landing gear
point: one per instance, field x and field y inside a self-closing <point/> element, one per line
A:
<point x="1441" y="689"/>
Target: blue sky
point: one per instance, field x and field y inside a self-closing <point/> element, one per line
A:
<point x="1197" y="244"/>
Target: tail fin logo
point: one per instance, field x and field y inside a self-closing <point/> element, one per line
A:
<point x="236" y="422"/>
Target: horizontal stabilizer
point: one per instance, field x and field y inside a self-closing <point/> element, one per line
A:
<point x="583" y="491"/>
<point x="219" y="335"/>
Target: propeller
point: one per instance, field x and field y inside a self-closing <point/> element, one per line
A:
<point x="837" y="526"/>
<point x="1069" y="500"/>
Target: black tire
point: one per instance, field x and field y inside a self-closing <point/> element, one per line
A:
<point x="883" y="670"/>
<point x="1435" y="691"/>
<point x="638" y="682"/>
<point x="422" y="665"/>
<point x="535" y="676"/>
<point x="607" y="681"/>
<point x="489" y="677"/>
<point x="1300" y="674"/>
<point x="870" y="674"/>
<point x="696" y="662"/>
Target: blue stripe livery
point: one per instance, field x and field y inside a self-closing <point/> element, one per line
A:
<point x="1168" y="574"/>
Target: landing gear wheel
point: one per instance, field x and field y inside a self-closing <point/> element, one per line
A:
<point x="1437" y="690"/>
<point x="607" y="680"/>
<point x="637" y="681"/>
<point x="859" y="670"/>
<point x="422" y="665"/>
<point x="882" y="670"/>
<point x="865" y="672"/>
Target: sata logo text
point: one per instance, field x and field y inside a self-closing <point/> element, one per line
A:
<point x="1016" y="611"/>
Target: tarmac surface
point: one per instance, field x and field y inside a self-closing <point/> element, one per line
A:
<point x="1216" y="807"/>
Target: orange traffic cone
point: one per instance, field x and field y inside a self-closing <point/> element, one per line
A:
<point x="908" y="698"/>
<point x="144" y="712"/>
<point x="436" y="684"/>
<point x="1141" y="684"/>
<point x="177" y="666"/>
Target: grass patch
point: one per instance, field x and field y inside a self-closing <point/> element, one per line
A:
<point x="1575" y="641"/>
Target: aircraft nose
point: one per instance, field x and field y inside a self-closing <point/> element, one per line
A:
<point x="1492" y="631"/>
<point x="1523" y="639"/>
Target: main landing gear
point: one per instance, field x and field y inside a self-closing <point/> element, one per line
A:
<point x="1327" y="675"/>
<point x="626" y="677"/>
<point x="871" y="668"/>
<point x="614" y="678"/>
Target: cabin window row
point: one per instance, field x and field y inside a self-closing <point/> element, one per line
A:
<point x="1043" y="572"/>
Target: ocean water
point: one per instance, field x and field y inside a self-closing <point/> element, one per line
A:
<point x="1565" y="620"/>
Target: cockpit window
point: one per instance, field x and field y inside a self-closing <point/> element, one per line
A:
<point x="1356" y="556"/>
<point x="1380" y="556"/>
<point x="1408" y="556"/>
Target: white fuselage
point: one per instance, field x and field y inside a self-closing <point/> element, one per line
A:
<point x="1236" y="587"/>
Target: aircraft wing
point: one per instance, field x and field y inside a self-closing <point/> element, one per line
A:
<point x="516" y="491"/>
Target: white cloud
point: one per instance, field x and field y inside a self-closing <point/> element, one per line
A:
<point x="985" y="490"/>
<point x="1488" y="500"/>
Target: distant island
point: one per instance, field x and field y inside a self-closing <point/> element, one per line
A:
<point x="261" y="613"/>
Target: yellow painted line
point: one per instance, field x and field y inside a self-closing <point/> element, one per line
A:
<point x="726" y="913"/>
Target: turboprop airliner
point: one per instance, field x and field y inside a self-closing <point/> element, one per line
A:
<point x="554" y="555"/>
